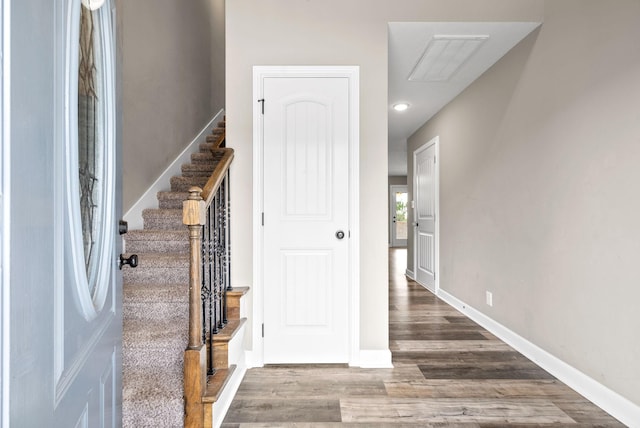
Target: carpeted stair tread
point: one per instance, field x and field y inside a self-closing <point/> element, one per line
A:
<point x="163" y="219"/>
<point x="157" y="241"/>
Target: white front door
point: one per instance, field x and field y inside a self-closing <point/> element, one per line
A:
<point x="398" y="210"/>
<point x="425" y="188"/>
<point x="306" y="219"/>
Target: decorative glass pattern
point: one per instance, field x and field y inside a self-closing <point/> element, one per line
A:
<point x="90" y="136"/>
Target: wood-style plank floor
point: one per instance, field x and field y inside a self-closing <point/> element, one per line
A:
<point x="448" y="372"/>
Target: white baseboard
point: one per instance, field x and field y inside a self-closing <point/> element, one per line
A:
<point x="409" y="273"/>
<point x="611" y="402"/>
<point x="149" y="199"/>
<point x="375" y="359"/>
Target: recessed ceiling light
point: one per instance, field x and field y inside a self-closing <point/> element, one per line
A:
<point x="400" y="106"/>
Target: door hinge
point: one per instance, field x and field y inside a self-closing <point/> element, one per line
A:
<point x="263" y="219"/>
<point x="261" y="101"/>
<point x="263" y="330"/>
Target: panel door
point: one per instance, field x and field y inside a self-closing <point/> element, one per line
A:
<point x="306" y="259"/>
<point x="65" y="283"/>
<point x="425" y="215"/>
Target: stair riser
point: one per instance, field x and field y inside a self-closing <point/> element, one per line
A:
<point x="170" y="204"/>
<point x="206" y="147"/>
<point x="201" y="158"/>
<point x="171" y="200"/>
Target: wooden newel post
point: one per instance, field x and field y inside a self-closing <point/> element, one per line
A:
<point x="195" y="370"/>
<point x="194" y="214"/>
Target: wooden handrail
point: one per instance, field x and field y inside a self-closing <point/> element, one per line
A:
<point x="218" y="174"/>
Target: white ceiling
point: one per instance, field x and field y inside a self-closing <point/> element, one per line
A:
<point x="407" y="43"/>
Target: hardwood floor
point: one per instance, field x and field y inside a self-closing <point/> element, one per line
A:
<point x="448" y="372"/>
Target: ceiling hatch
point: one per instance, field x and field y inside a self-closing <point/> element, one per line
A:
<point x="444" y="55"/>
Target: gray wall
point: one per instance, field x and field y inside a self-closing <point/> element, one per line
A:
<point x="539" y="189"/>
<point x="334" y="32"/>
<point x="173" y="82"/>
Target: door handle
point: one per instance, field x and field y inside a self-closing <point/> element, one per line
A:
<point x="123" y="227"/>
<point x="340" y="234"/>
<point x="132" y="261"/>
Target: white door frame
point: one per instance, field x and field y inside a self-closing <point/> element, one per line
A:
<point x="256" y="357"/>
<point x="436" y="141"/>
<point x="393" y="188"/>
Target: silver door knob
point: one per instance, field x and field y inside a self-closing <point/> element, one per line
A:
<point x="339" y="234"/>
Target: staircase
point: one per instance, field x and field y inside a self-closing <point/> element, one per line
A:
<point x="156" y="307"/>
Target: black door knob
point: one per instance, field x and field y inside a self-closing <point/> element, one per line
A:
<point x="339" y="234"/>
<point x="132" y="261"/>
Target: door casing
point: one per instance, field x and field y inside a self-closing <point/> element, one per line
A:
<point x="256" y="357"/>
<point x="434" y="141"/>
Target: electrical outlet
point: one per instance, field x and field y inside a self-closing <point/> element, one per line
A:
<point x="489" y="298"/>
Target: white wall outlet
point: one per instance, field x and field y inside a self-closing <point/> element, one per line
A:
<point x="489" y="297"/>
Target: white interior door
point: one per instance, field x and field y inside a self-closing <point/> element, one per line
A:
<point x="425" y="187"/>
<point x="306" y="219"/>
<point x="398" y="213"/>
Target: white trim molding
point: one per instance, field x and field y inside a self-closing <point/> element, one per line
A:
<point x="150" y="198"/>
<point x="613" y="403"/>
<point x="409" y="274"/>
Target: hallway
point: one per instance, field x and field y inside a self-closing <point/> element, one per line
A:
<point x="448" y="371"/>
